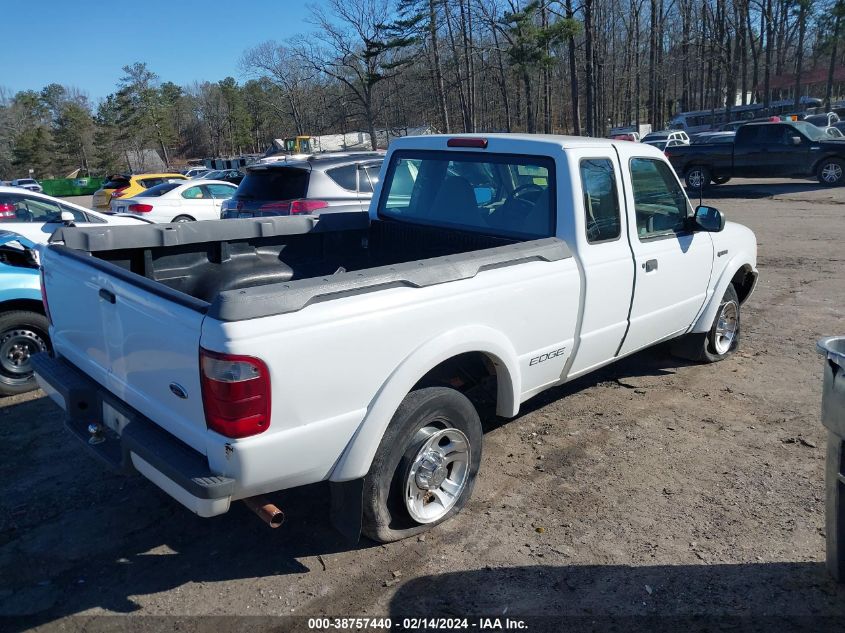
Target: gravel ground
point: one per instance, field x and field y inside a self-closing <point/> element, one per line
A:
<point x="652" y="488"/>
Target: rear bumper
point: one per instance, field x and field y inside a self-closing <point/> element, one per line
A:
<point x="131" y="442"/>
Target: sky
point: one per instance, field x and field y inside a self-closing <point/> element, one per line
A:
<point x="85" y="43"/>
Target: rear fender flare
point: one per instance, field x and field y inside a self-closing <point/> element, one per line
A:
<point x="358" y="456"/>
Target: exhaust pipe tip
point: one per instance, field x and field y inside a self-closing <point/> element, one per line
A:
<point x="266" y="511"/>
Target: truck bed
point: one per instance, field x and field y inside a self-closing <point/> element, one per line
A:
<point x="243" y="269"/>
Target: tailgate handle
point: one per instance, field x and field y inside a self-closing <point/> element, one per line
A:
<point x="108" y="295"/>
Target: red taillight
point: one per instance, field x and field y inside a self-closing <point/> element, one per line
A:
<point x="295" y="207"/>
<point x="44" y="297"/>
<point x="462" y="141"/>
<point x="7" y="211"/>
<point x="140" y="208"/>
<point x="118" y="192"/>
<point x="306" y="206"/>
<point x="275" y="206"/>
<point x="235" y="394"/>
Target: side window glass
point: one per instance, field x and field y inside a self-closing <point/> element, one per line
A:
<point x="36" y="210"/>
<point x="344" y="177"/>
<point x="78" y="216"/>
<point x="601" y="204"/>
<point x="660" y="203"/>
<point x="221" y="192"/>
<point x="367" y="178"/>
<point x="192" y="193"/>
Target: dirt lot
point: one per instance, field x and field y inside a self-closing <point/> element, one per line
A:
<point x="663" y="489"/>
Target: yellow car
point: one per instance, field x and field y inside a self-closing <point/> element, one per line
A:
<point x="118" y="187"/>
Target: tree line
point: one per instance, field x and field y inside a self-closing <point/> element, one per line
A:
<point x="551" y="66"/>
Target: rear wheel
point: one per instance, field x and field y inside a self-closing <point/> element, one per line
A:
<point x="425" y="467"/>
<point x="22" y="334"/>
<point x="183" y="218"/>
<point x="831" y="172"/>
<point x="697" y="177"/>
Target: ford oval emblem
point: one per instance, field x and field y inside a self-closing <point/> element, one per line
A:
<point x="178" y="390"/>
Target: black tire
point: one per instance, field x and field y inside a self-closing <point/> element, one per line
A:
<point x="697" y="177"/>
<point x="183" y="218"/>
<point x="709" y="347"/>
<point x="831" y="172"/>
<point x="720" y="180"/>
<point x="22" y="333"/>
<point x="386" y="517"/>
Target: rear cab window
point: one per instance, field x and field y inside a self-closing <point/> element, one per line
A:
<point x="601" y="202"/>
<point x="496" y="194"/>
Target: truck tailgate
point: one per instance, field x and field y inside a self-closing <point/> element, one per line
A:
<point x="115" y="332"/>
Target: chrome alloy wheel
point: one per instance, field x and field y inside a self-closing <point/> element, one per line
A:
<point x="727" y="325"/>
<point x="832" y="172"/>
<point x="438" y="473"/>
<point x="695" y="178"/>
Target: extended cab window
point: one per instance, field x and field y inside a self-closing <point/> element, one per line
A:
<point x="495" y="194"/>
<point x="767" y="134"/>
<point x="660" y="203"/>
<point x="601" y="205"/>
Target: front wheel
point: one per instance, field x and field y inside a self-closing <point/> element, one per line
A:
<point x="697" y="177"/>
<point x="723" y="338"/>
<point x="183" y="218"/>
<point x="831" y="172"/>
<point x="22" y="334"/>
<point x="425" y="466"/>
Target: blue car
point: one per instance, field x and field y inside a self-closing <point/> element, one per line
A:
<point x="23" y="324"/>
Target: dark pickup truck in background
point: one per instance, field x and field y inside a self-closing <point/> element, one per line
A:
<point x="763" y="150"/>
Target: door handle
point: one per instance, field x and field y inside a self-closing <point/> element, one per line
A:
<point x="650" y="265"/>
<point x="108" y="295"/>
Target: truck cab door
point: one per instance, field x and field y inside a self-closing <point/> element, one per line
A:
<point x="672" y="263"/>
<point x="601" y="236"/>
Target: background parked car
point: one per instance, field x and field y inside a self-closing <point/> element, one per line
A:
<point x="320" y="184"/>
<point x="705" y="138"/>
<point x="667" y="135"/>
<point x="629" y="136"/>
<point x="36" y="215"/>
<point x="826" y="119"/>
<point x="23" y="325"/>
<point x="833" y="132"/>
<point x="229" y="175"/>
<point x="180" y="201"/>
<point x="195" y="172"/>
<point x="128" y="186"/>
<point x="27" y="183"/>
<point x="663" y="144"/>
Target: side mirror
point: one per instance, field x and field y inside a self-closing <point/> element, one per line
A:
<point x="709" y="219"/>
<point x="67" y="218"/>
<point x="796" y="140"/>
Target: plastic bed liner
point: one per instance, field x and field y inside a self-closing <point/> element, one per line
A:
<point x="235" y="270"/>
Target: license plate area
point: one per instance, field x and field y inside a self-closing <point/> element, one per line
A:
<point x="114" y="419"/>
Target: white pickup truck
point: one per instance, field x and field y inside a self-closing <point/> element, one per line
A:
<point x="227" y="359"/>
